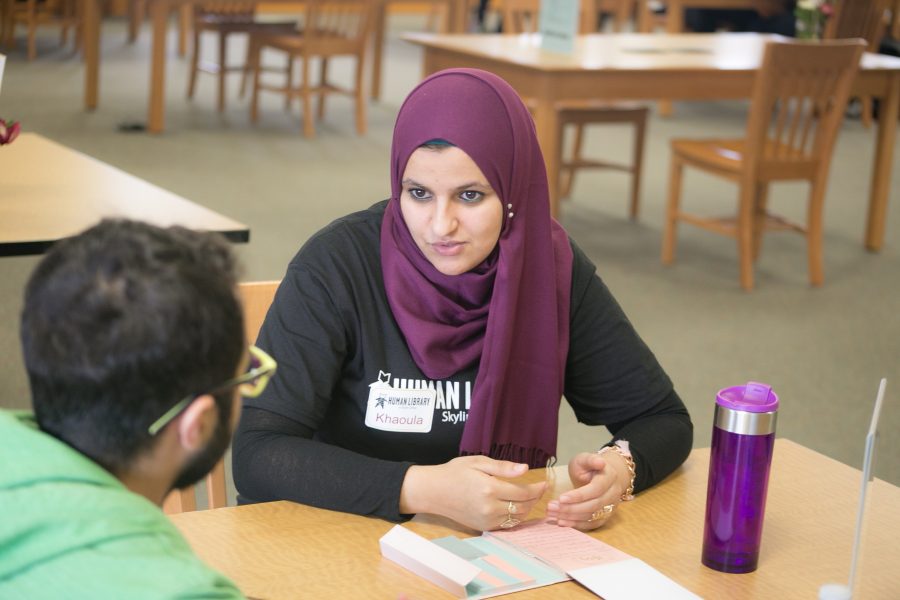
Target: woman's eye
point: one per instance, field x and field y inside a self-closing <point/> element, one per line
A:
<point x="471" y="196"/>
<point x="418" y="193"/>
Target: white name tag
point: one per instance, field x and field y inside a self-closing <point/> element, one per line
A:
<point x="392" y="409"/>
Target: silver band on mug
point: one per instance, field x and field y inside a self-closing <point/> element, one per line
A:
<point x="743" y="422"/>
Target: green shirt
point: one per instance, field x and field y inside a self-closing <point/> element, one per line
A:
<point x="70" y="529"/>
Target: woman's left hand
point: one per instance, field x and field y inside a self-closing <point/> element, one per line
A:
<point x="599" y="482"/>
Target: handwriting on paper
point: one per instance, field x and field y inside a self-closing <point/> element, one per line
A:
<point x="563" y="547"/>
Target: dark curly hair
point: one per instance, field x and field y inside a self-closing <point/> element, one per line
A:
<point x="122" y="321"/>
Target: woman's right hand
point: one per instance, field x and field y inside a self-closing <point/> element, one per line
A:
<point x="469" y="490"/>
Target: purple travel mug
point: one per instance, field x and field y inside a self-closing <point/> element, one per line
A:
<point x="739" y="461"/>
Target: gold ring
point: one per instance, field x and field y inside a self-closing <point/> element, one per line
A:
<point x="603" y="513"/>
<point x="509" y="522"/>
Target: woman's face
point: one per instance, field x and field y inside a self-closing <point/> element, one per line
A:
<point x="450" y="209"/>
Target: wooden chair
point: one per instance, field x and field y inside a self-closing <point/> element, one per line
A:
<point x="36" y="13"/>
<point x="224" y="18"/>
<point x="859" y="19"/>
<point x="256" y="296"/>
<point x="522" y="16"/>
<point x="331" y="28"/>
<point x="798" y="102"/>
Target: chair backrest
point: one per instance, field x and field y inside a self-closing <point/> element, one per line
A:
<point x="256" y="297"/>
<point x="857" y="19"/>
<point x="337" y="26"/>
<point x="798" y="101"/>
<point x="522" y="16"/>
<point x="622" y="12"/>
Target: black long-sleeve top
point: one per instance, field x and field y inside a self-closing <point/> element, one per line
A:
<point x="337" y="345"/>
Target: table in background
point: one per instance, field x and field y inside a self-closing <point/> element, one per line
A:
<point x="649" y="66"/>
<point x="285" y="550"/>
<point x="49" y="192"/>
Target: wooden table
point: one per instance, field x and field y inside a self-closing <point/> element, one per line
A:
<point x="286" y="550"/>
<point x="639" y="66"/>
<point x="49" y="192"/>
<point x="159" y="16"/>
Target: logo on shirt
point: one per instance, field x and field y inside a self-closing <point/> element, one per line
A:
<point x="390" y="402"/>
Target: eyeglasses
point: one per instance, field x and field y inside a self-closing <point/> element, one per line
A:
<point x="252" y="383"/>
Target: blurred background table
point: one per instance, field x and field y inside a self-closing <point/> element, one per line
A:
<point x="284" y="550"/>
<point x="49" y="192"/>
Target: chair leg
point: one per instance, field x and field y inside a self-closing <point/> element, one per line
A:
<point x="361" y="124"/>
<point x="5" y="23"/>
<point x="289" y="81"/>
<point x="256" y="67"/>
<point x="866" y="103"/>
<point x="195" y="63"/>
<point x="77" y="26"/>
<point x="672" y="206"/>
<point x="567" y="171"/>
<point x="759" y="218"/>
<point x="223" y="45"/>
<point x="309" y="126"/>
<point x="323" y="83"/>
<point x="32" y="33"/>
<point x="814" y="232"/>
<point x="9" y="25"/>
<point x="640" y="127"/>
<point x="246" y="73"/>
<point x="745" y="232"/>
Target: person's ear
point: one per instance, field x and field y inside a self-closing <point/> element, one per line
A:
<point x="198" y="422"/>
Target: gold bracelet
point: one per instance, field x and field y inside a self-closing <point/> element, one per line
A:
<point x="621" y="448"/>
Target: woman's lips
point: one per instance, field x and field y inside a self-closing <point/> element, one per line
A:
<point x="448" y="248"/>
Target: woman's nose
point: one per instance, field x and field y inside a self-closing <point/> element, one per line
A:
<point x="443" y="221"/>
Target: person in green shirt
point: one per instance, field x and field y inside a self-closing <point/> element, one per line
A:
<point x="133" y="341"/>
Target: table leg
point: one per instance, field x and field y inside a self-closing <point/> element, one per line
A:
<point x="156" y="117"/>
<point x="546" y="121"/>
<point x="91" y="25"/>
<point x="881" y="173"/>
<point x="379" y="22"/>
<point x="457" y="16"/>
<point x="185" y="16"/>
<point x="674" y="24"/>
<point x="136" y="10"/>
<point x="645" y="17"/>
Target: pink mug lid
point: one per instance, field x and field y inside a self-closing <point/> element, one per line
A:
<point x="754" y="397"/>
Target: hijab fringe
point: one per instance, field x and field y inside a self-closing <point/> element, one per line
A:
<point x="535" y="458"/>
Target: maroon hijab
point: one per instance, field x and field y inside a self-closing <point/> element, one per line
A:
<point x="511" y="313"/>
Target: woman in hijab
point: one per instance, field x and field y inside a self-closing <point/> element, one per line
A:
<point x="424" y="344"/>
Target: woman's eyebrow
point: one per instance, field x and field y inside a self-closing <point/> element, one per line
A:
<point x="474" y="184"/>
<point x="413" y="183"/>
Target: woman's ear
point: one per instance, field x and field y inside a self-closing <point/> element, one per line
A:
<point x="198" y="422"/>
